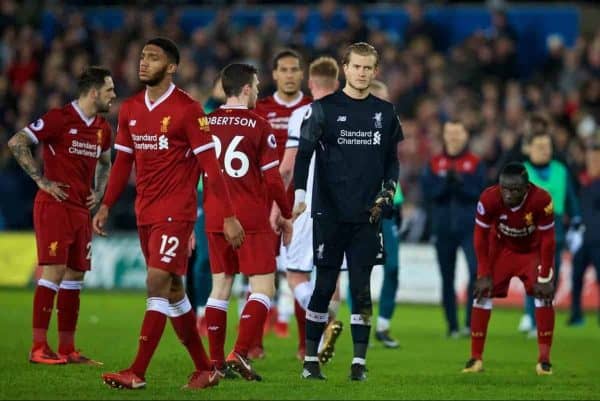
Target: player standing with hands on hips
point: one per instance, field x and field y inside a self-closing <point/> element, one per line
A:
<point x="355" y="137"/>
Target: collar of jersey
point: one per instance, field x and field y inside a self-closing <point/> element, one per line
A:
<point x="237" y="106"/>
<point x="290" y="104"/>
<point x="162" y="98"/>
<point x="87" y="121"/>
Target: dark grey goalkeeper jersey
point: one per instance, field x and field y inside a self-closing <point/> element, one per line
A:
<point x="355" y="141"/>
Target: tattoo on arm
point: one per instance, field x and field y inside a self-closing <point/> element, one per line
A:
<point x="102" y="172"/>
<point x="19" y="146"/>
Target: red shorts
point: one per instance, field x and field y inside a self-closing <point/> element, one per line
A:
<point x="63" y="235"/>
<point x="508" y="264"/>
<point x="165" y="245"/>
<point x="255" y="256"/>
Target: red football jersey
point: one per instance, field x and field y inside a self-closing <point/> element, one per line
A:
<point x="72" y="144"/>
<point x="517" y="228"/>
<point x="164" y="136"/>
<point x="246" y="147"/>
<point x="277" y="113"/>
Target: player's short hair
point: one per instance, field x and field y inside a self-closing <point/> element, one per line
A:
<point x="515" y="169"/>
<point x="362" y="49"/>
<point x="92" y="77"/>
<point x="539" y="126"/>
<point x="324" y="67"/>
<point x="286" y="53"/>
<point x="235" y="76"/>
<point x="168" y="46"/>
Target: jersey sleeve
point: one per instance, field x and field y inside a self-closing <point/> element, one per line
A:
<point x="311" y="131"/>
<point x="268" y="157"/>
<point x="392" y="166"/>
<point x="294" y="124"/>
<point x="484" y="215"/>
<point x="106" y="137"/>
<point x="544" y="213"/>
<point x="46" y="128"/>
<point x="123" y="141"/>
<point x="197" y="129"/>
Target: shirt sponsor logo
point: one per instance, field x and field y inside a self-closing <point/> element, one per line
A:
<point x="359" y="138"/>
<point x="516" y="232"/>
<point x="203" y="124"/>
<point x="82" y="148"/>
<point x="163" y="142"/>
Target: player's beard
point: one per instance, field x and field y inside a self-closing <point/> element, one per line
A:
<point x="157" y="78"/>
<point x="102" y="107"/>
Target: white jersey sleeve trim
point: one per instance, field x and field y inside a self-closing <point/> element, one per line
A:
<point x="122" y="148"/>
<point x="204" y="147"/>
<point x="31" y="135"/>
<point x="546" y="227"/>
<point x="270" y="165"/>
<point x="481" y="223"/>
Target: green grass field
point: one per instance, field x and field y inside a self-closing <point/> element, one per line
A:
<point x="427" y="366"/>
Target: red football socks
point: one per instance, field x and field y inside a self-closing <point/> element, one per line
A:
<point x="43" y="302"/>
<point x="67" y="305"/>
<point x="300" y="314"/>
<point x="544" y="319"/>
<point x="216" y="322"/>
<point x="252" y="322"/>
<point x="185" y="327"/>
<point x="153" y="327"/>
<point x="479" y="324"/>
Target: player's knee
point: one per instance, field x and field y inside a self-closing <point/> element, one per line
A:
<point x="483" y="303"/>
<point x="296" y="278"/>
<point x="54" y="273"/>
<point x="158" y="283"/>
<point x="221" y="286"/>
<point x="263" y="284"/>
<point x="73" y="275"/>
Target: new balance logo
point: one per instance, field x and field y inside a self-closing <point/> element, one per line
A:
<point x="163" y="142"/>
<point x="246" y="316"/>
<point x="271" y="114"/>
<point x="341" y="119"/>
<point x="213" y="328"/>
<point x="73" y="131"/>
<point x="165" y="259"/>
<point x="503" y="217"/>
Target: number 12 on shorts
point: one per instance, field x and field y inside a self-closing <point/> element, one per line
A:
<point x="168" y="246"/>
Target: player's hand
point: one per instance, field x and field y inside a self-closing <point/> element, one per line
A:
<point x="274" y="217"/>
<point x="191" y="243"/>
<point x="383" y="202"/>
<point x="298" y="210"/>
<point x="233" y="231"/>
<point x="286" y="227"/>
<point x="54" y="188"/>
<point x="93" y="199"/>
<point x="99" y="220"/>
<point x="483" y="288"/>
<point x="544" y="291"/>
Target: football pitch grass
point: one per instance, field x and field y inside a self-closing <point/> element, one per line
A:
<point x="427" y="366"/>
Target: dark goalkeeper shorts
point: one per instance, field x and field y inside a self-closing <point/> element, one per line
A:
<point x="361" y="242"/>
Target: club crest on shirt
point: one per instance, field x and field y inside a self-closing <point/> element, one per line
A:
<point x="203" y="124"/>
<point x="53" y="248"/>
<point x="378" y="119"/>
<point x="549" y="209"/>
<point x="529" y="218"/>
<point x="164" y="124"/>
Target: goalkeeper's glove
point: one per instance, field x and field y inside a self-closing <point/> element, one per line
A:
<point x="383" y="202"/>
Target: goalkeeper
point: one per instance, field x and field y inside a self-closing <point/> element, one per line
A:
<point x="354" y="136"/>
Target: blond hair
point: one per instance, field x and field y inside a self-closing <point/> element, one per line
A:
<point x="362" y="49"/>
<point x="324" y="70"/>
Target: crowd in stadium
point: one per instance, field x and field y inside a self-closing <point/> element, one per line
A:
<point x="477" y="81"/>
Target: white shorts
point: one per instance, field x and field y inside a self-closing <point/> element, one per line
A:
<point x="298" y="256"/>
